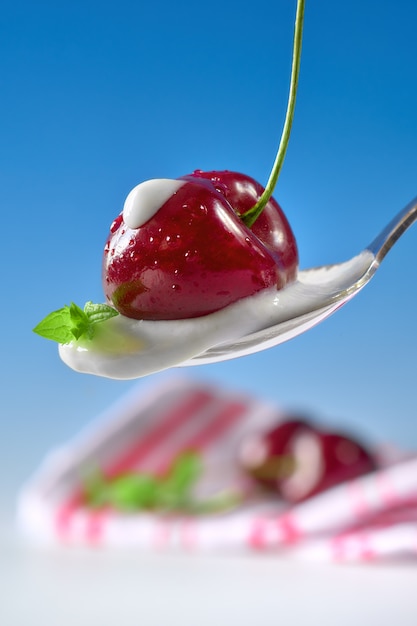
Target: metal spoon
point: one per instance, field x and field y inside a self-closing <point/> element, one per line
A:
<point x="318" y="293"/>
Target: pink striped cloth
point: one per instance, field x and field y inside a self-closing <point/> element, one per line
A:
<point x="366" y="519"/>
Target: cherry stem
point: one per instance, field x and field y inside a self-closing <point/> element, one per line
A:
<point x="252" y="214"/>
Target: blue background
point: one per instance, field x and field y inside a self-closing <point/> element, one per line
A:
<point x="99" y="96"/>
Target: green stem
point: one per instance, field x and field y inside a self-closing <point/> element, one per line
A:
<point x="252" y="214"/>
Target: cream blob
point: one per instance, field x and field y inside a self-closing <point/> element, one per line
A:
<point x="125" y="348"/>
<point x="147" y="198"/>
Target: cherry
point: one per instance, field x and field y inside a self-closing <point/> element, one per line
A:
<point x="345" y="459"/>
<point x="189" y="247"/>
<point x="194" y="255"/>
<point x="268" y="456"/>
<point x="202" y="246"/>
<point x="271" y="227"/>
<point x="297" y="461"/>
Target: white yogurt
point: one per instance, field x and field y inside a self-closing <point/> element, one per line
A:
<point x="147" y="198"/>
<point x="124" y="348"/>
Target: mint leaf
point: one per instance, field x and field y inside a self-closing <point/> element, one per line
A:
<point x="97" y="313"/>
<point x="175" y="487"/>
<point x="56" y="326"/>
<point x="185" y="471"/>
<point x="126" y="492"/>
<point x="79" y="321"/>
<point x="72" y="322"/>
<point x="132" y="491"/>
<point x="136" y="491"/>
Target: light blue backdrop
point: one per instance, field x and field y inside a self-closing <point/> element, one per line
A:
<point x="97" y="96"/>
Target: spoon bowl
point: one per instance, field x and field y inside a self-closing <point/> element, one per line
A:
<point x="317" y="293"/>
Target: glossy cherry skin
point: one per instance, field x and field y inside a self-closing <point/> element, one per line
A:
<point x="271" y="227"/>
<point x="195" y="256"/>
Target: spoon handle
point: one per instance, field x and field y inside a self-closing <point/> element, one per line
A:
<point x="383" y="243"/>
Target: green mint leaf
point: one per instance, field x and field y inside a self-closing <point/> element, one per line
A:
<point x="175" y="488"/>
<point x="185" y="471"/>
<point x="97" y="313"/>
<point x="135" y="491"/>
<point x="125" y="492"/>
<point x="79" y="321"/>
<point x="56" y="326"/>
<point x="132" y="491"/>
<point x="72" y="322"/>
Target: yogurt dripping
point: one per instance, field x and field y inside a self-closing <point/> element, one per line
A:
<point x="125" y="348"/>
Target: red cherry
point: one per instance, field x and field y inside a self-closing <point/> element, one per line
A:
<point x="271" y="227"/>
<point x="195" y="255"/>
<point x="343" y="459"/>
<point x="307" y="461"/>
<point x="268" y="456"/>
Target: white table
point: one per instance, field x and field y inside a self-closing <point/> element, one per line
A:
<point x="66" y="587"/>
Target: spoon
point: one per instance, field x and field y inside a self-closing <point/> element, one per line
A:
<point x="126" y="348"/>
<point x="317" y="293"/>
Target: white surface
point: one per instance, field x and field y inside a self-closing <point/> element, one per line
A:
<point x="68" y="587"/>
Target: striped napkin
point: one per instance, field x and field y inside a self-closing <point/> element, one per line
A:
<point x="369" y="518"/>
